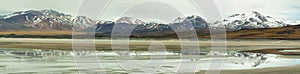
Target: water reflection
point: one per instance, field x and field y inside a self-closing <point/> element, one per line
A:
<point x="63" y="61"/>
<point x="252" y="59"/>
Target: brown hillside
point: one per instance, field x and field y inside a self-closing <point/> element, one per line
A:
<point x="290" y="32"/>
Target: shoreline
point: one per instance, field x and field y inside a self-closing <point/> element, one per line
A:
<point x="102" y="44"/>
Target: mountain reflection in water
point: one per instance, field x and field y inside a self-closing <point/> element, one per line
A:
<point x="233" y="60"/>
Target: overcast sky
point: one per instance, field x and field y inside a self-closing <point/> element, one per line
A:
<point x="164" y="10"/>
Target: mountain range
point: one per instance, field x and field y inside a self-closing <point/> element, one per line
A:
<point x="51" y="20"/>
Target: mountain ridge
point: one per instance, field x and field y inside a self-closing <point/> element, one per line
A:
<point x="240" y="21"/>
<point x="51" y="20"/>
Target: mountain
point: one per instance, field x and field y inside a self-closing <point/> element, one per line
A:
<point x="36" y="20"/>
<point x="250" y="20"/>
<point x="51" y="20"/>
<point x="129" y="20"/>
<point x="81" y="22"/>
<point x="139" y="28"/>
<point x="42" y="20"/>
<point x="247" y="25"/>
<point x="194" y="22"/>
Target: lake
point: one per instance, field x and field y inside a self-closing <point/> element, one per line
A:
<point x="22" y="61"/>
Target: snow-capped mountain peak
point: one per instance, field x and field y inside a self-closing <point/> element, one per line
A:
<point x="50" y="11"/>
<point x="129" y="20"/>
<point x="195" y="21"/>
<point x="189" y="18"/>
<point x="250" y="20"/>
<point x="83" y="22"/>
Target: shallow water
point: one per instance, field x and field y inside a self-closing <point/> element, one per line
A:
<point x="143" y="62"/>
